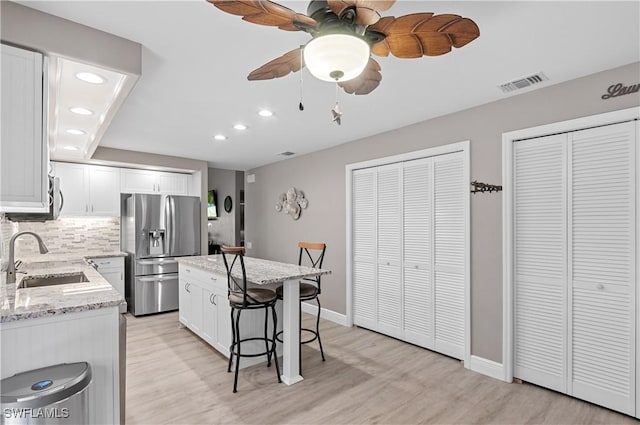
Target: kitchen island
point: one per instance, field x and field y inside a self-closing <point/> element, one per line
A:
<point x="64" y="323"/>
<point x="203" y="281"/>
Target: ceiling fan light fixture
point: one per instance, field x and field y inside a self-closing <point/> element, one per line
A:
<point x="336" y="57"/>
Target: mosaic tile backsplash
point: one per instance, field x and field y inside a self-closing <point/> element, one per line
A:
<point x="65" y="235"/>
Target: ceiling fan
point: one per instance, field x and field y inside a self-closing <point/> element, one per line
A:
<point x="346" y="32"/>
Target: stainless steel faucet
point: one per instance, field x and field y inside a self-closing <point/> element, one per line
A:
<point x="11" y="267"/>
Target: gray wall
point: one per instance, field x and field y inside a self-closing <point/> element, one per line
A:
<point x="224" y="230"/>
<point x="121" y="157"/>
<point x="321" y="176"/>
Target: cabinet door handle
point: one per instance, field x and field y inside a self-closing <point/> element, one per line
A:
<point x="92" y="208"/>
<point x="214" y="278"/>
<point x="86" y="208"/>
<point x="212" y="298"/>
<point x="158" y="187"/>
<point x="186" y="287"/>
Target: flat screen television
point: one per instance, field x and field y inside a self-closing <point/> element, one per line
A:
<point x="212" y="210"/>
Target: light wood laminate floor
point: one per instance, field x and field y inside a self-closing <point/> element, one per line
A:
<point x="173" y="377"/>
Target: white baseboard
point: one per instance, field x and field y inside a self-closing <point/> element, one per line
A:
<point x="487" y="367"/>
<point x="331" y="315"/>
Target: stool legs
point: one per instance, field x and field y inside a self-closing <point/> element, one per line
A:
<point x="233" y="341"/>
<point x="235" y="348"/>
<point x="318" y="328"/>
<point x="235" y="378"/>
<point x="273" y="347"/>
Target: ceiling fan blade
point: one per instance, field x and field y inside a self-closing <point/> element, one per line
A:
<point x="264" y="12"/>
<point x="366" y="10"/>
<point x="366" y="82"/>
<point x="423" y="34"/>
<point x="284" y="65"/>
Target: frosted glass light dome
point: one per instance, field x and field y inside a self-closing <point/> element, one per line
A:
<point x="336" y="57"/>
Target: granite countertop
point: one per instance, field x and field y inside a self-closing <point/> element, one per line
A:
<point x="259" y="271"/>
<point x="28" y="303"/>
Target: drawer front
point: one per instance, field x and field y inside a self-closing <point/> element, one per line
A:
<point x="156" y="266"/>
<point x="108" y="263"/>
<point x="156" y="293"/>
<point x="205" y="279"/>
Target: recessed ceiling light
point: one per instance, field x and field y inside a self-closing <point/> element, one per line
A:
<point x="90" y="77"/>
<point x="220" y="137"/>
<point x="265" y="113"/>
<point x="240" y="127"/>
<point x="81" y="111"/>
<point x="70" y="148"/>
<point x="75" y="131"/>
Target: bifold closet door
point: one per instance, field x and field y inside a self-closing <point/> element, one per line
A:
<point x="602" y="252"/>
<point x="539" y="231"/>
<point x="390" y="288"/>
<point x="364" y="230"/>
<point x="449" y="248"/>
<point x="418" y="323"/>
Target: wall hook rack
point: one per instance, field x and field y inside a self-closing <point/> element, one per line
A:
<point x="484" y="187"/>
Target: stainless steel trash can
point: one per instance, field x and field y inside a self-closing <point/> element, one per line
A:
<point x="51" y="395"/>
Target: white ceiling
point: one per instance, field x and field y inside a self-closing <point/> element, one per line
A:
<point x="196" y="58"/>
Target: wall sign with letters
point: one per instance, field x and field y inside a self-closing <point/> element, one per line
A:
<point x="620" y="89"/>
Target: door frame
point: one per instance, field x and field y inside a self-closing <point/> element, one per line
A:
<point x="462" y="146"/>
<point x="508" y="139"/>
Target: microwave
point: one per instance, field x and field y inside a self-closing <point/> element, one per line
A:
<point x="56" y="202"/>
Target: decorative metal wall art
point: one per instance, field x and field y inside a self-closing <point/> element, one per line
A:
<point x="292" y="202"/>
<point x="484" y="187"/>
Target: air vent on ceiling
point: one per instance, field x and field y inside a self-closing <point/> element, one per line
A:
<point x="524" y="82"/>
<point x="287" y="153"/>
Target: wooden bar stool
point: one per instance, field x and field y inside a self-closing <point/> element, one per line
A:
<point x="311" y="255"/>
<point x="243" y="298"/>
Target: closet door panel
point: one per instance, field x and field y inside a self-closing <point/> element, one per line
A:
<point x="603" y="255"/>
<point x="389" y="202"/>
<point x="540" y="301"/>
<point x="364" y="248"/>
<point x="418" y="240"/>
<point x="449" y="250"/>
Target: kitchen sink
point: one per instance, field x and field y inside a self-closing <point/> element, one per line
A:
<point x="57" y="279"/>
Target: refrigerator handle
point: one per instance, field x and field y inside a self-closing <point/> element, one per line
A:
<point x="172" y="213"/>
<point x="167" y="224"/>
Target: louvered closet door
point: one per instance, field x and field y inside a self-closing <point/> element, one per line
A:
<point x="450" y="231"/>
<point x="540" y="302"/>
<point x="364" y="248"/>
<point x="389" y="200"/>
<point x="418" y="240"/>
<point x="602" y="252"/>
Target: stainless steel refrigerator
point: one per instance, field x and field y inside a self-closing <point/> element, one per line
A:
<point x="154" y="230"/>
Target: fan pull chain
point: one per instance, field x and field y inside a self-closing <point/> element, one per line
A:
<point x="337" y="115"/>
<point x="301" y="105"/>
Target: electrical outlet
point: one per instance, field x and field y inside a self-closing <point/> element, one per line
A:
<point x="249" y="245"/>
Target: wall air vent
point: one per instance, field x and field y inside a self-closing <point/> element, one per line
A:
<point x="522" y="83"/>
<point x="287" y="153"/>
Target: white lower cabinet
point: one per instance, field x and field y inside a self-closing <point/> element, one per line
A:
<point x="112" y="269"/>
<point x="204" y="309"/>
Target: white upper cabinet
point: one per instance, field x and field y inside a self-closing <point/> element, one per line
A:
<point x="88" y="189"/>
<point x="104" y="191"/>
<point x="147" y="181"/>
<point x="23" y="151"/>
